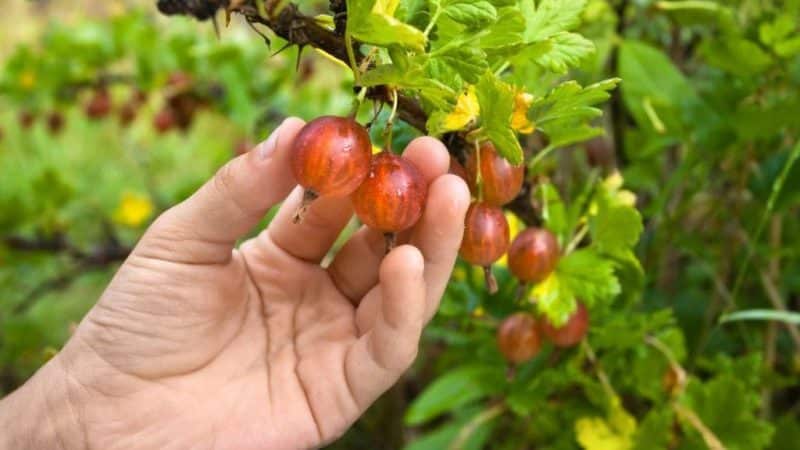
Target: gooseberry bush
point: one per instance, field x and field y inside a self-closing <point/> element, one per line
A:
<point x="579" y="314"/>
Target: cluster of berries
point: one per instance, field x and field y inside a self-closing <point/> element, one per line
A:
<point x="181" y="103"/>
<point x="332" y="156"/>
<point x="520" y="335"/>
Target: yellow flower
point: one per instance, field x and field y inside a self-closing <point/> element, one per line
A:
<point x="621" y="196"/>
<point x="133" y="210"/>
<point x="614" y="432"/>
<point x="478" y="312"/>
<point x="519" y="119"/>
<point x="27" y="80"/>
<point x="466" y="111"/>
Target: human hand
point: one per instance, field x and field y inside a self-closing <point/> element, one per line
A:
<point x="195" y="344"/>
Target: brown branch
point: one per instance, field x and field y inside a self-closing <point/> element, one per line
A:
<point x="82" y="261"/>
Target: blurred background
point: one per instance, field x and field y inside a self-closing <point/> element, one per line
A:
<point x="111" y="113"/>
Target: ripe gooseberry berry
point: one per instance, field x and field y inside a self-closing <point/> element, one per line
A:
<point x="486" y="238"/>
<point x="392" y="197"/>
<point x="457" y="169"/>
<point x="600" y="153"/>
<point x="55" y="122"/>
<point x="127" y="114"/>
<point x="99" y="105"/>
<point x="518" y="337"/>
<point x="330" y="157"/>
<point x="164" y="120"/>
<point x="533" y="255"/>
<point x="26" y="119"/>
<point x="500" y="181"/>
<point x="571" y="332"/>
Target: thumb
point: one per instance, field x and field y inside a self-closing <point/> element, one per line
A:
<point x="205" y="227"/>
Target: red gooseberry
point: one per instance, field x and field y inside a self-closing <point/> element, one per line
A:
<point x="486" y="238"/>
<point x="457" y="169"/>
<point x="533" y="255"/>
<point x="392" y="197"/>
<point x="99" y="105"/>
<point x="518" y="337"/>
<point x="164" y="120"/>
<point x="127" y="114"/>
<point x="572" y="332"/>
<point x="55" y="122"/>
<point x="500" y="181"/>
<point x="600" y="153"/>
<point x="26" y="119"/>
<point x="330" y="157"/>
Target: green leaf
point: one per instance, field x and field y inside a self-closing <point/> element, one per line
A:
<point x="496" y="100"/>
<point x="736" y="55"/>
<point x="774" y="32"/>
<point x="468" y="62"/>
<point x="455" y="389"/>
<point x="655" y="430"/>
<point x="727" y="408"/>
<point x="412" y="77"/>
<point x="565" y="112"/>
<point x="582" y="274"/>
<point x="469" y="430"/>
<point x="697" y="12"/>
<point x="553" y="210"/>
<point x="763" y="314"/>
<point x="550" y="17"/>
<point x="373" y="22"/>
<point x="506" y="32"/>
<point x="616" y="225"/>
<point x="470" y="13"/>
<point x="650" y="76"/>
<point x="565" y="50"/>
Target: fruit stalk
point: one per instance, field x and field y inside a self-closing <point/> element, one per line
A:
<point x="308" y="197"/>
<point x="491" y="281"/>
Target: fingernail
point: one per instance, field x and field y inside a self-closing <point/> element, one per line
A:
<point x="268" y="147"/>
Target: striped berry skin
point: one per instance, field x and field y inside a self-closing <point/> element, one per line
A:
<point x="500" y="181"/>
<point x="533" y="255"/>
<point x="572" y="332"/>
<point x="486" y="234"/>
<point x="392" y="197"/>
<point x="330" y="156"/>
<point x="518" y="338"/>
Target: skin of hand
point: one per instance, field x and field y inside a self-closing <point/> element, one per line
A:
<point x="197" y="344"/>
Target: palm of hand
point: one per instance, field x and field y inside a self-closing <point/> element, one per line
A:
<point x="195" y="346"/>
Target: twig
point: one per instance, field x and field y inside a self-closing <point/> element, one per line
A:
<point x="108" y="253"/>
<point x="683" y="412"/>
<point x="469" y="428"/>
<point x="711" y="440"/>
<point x="601" y="374"/>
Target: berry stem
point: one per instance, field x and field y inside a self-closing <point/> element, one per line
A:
<point x="390" y="121"/>
<point x="351" y="56"/>
<point x="308" y="197"/>
<point x="491" y="281"/>
<point x="511" y="372"/>
<point x="521" y="288"/>
<point x="362" y="93"/>
<point x="478" y="177"/>
<point x="391" y="241"/>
